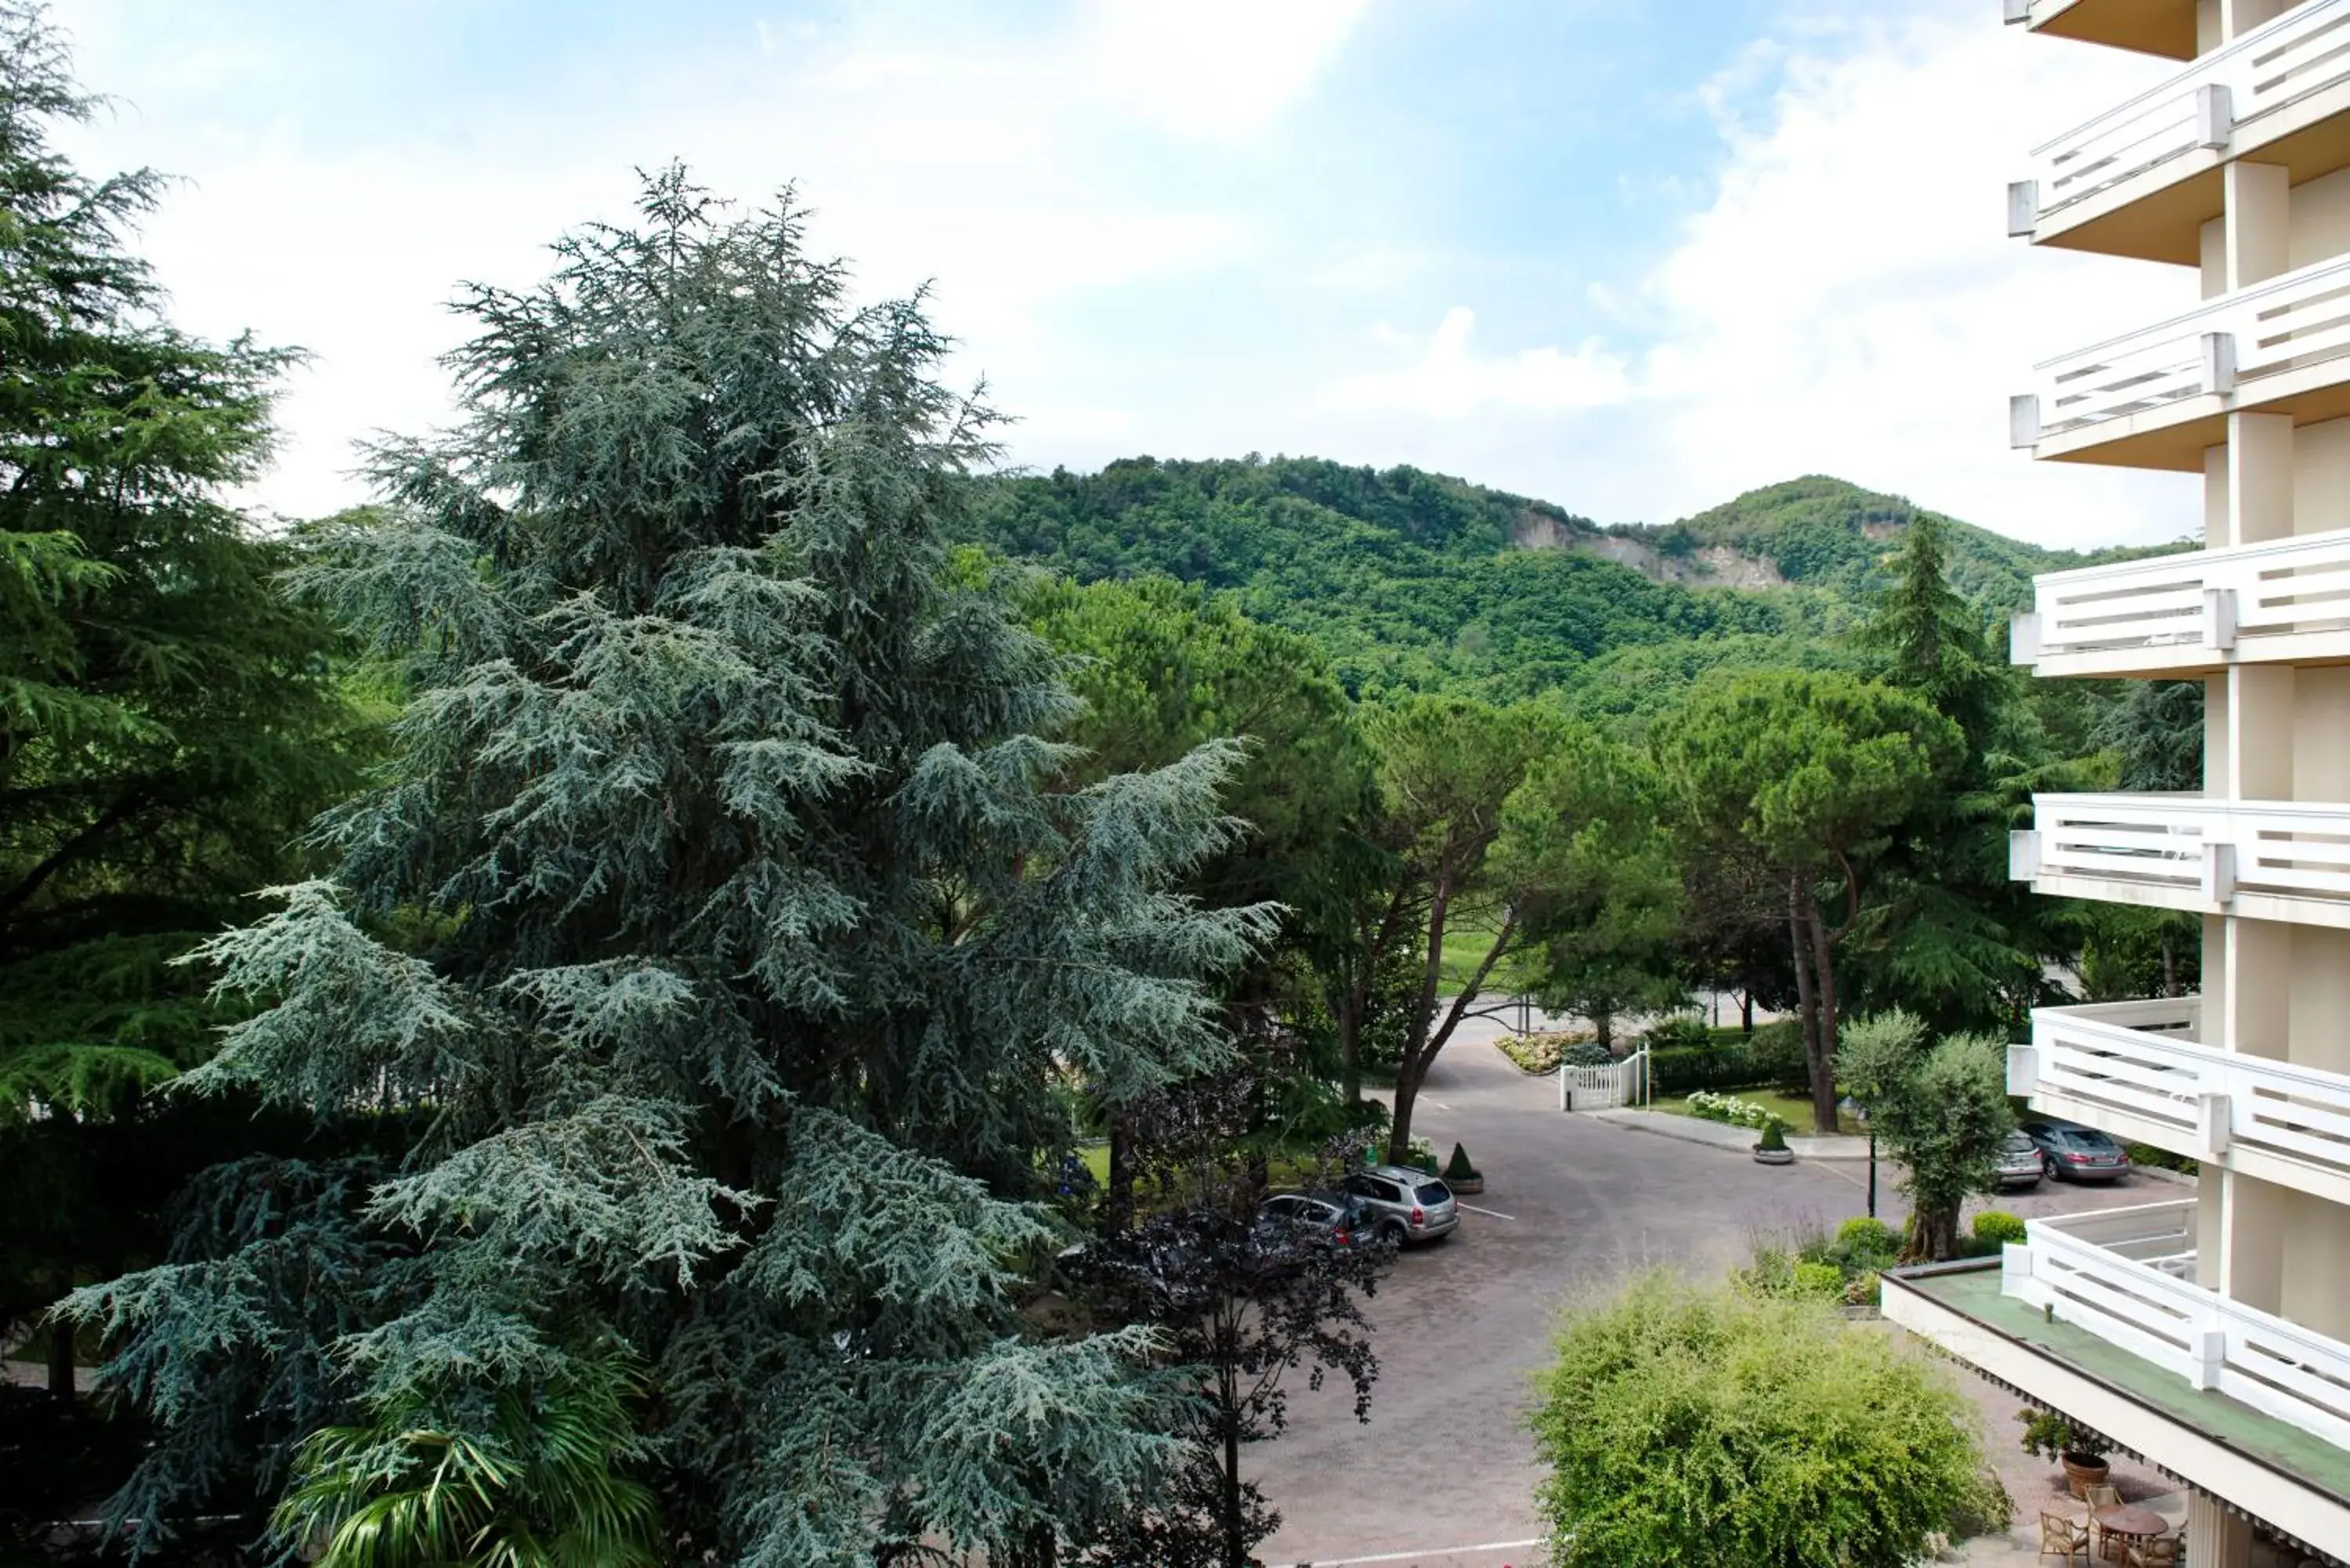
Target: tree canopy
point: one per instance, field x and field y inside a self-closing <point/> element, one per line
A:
<point x="729" y="925"/>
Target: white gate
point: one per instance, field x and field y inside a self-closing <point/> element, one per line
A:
<point x="1623" y="1082"/>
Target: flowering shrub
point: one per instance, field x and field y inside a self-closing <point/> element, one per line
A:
<point x="1728" y="1108"/>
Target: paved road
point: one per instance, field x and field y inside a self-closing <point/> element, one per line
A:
<point x="1445" y="1462"/>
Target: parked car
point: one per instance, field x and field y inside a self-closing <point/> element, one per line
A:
<point x="1411" y="1205"/>
<point x="1343" y="1218"/>
<point x="2019" y="1162"/>
<point x="2070" y="1153"/>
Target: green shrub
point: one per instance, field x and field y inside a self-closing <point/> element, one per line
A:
<point x="1586" y="1054"/>
<point x="1682" y="1030"/>
<point x="2162" y="1158"/>
<point x="1823" y="1280"/>
<point x="1774" y="1136"/>
<point x="1864" y="1238"/>
<point x="1682" y="1069"/>
<point x="1997" y="1228"/>
<point x="2052" y="1436"/>
<point x="1777" y="1052"/>
<point x="1458" y="1168"/>
<point x="1865" y="1289"/>
<point x="1673" y="1408"/>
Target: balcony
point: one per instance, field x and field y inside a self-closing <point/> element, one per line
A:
<point x="2126" y="1275"/>
<point x="2158" y="398"/>
<point x="2142" y="179"/>
<point x="2282" y="600"/>
<point x="2139" y="1071"/>
<point x="2269" y="860"/>
<point x="2148" y="26"/>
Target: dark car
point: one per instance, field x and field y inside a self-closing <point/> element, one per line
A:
<point x="2069" y="1153"/>
<point x="1341" y="1217"/>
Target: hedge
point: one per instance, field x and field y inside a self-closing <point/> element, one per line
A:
<point x="1680" y="1069"/>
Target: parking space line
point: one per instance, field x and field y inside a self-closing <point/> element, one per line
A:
<point x="1489" y="1214"/>
<point x="1440" y="1105"/>
<point x="1415" y="1556"/>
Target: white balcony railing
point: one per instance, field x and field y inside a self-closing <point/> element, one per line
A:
<point x="2127" y="1276"/>
<point x="2228" y="345"/>
<point x="2306" y="50"/>
<point x="2143" y="1060"/>
<point x="2189" y="850"/>
<point x="2206" y="598"/>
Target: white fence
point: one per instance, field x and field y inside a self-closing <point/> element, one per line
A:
<point x="2214" y="598"/>
<point x="2210" y="850"/>
<point x="2142" y="1058"/>
<point x="2228" y="345"/>
<point x="1625" y="1083"/>
<point x="2127" y="1276"/>
<point x="2306" y="50"/>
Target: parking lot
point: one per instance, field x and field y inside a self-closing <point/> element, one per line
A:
<point x="1443" y="1475"/>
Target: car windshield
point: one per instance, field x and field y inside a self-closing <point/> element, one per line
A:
<point x="1434" y="1192"/>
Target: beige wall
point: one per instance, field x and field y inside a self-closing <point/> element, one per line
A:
<point x="2320" y="998"/>
<point x="2321" y="218"/>
<point x="2314" y="1287"/>
<point x="2320" y="479"/>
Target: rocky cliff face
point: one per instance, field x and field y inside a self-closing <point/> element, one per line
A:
<point x="1712" y="567"/>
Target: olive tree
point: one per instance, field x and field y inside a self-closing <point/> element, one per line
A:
<point x="1940" y="1109"/>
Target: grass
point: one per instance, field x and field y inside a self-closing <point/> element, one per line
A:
<point x="1794" y="1110"/>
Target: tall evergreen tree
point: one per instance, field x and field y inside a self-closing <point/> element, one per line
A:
<point x="168" y="721"/>
<point x="731" y="929"/>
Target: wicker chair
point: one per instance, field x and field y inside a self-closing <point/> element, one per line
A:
<point x="2062" y="1536"/>
<point x="2161" y="1551"/>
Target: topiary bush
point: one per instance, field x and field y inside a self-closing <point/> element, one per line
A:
<point x="1775" y="1135"/>
<point x="1996" y="1228"/>
<point x="1458" y="1168"/>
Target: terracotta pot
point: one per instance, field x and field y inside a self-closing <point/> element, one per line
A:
<point x="2084" y="1474"/>
<point x="1466" y="1185"/>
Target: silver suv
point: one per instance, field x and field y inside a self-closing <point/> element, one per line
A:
<point x="1411" y="1205"/>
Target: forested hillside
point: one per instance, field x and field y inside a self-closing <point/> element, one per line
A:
<point x="1414" y="579"/>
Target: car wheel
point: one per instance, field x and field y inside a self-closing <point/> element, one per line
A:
<point x="2050" y="1168"/>
<point x="1392" y="1234"/>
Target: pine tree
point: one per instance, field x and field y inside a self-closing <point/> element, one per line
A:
<point x="729" y="932"/>
<point x="167" y="719"/>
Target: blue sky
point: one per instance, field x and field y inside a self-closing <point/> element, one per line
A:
<point x="1632" y="258"/>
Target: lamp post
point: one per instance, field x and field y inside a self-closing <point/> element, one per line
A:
<point x="1860" y="1114"/>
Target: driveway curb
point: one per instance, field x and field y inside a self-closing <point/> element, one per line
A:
<point x="1729" y="1138"/>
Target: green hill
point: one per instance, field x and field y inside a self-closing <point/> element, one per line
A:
<point x="1411" y="578"/>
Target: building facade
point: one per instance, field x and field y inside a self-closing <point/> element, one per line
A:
<point x="2209" y="1333"/>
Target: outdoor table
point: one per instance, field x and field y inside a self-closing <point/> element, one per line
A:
<point x="2130" y="1520"/>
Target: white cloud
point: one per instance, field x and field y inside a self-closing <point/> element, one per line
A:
<point x="930" y="146"/>
<point x="1845" y="302"/>
<point x="1446" y="378"/>
<point x="1849" y="303"/>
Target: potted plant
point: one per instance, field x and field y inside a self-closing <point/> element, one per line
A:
<point x="2079" y="1450"/>
<point x="1460" y="1175"/>
<point x="1773" y="1149"/>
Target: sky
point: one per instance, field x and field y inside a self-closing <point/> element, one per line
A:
<point x="1630" y="258"/>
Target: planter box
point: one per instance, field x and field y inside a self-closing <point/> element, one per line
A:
<point x="1467" y="1186"/>
<point x="1774" y="1156"/>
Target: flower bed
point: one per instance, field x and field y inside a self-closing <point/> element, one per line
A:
<point x="1543" y="1052"/>
<point x="1729" y="1108"/>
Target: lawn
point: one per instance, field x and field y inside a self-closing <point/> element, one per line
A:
<point x="1794" y="1110"/>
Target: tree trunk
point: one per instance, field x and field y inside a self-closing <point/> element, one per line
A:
<point x="1602" y="1029"/>
<point x="1807" y="1009"/>
<point x="2169" y="961"/>
<point x="1236" y="1541"/>
<point x="1823" y="1107"/>
<point x="1746" y="1012"/>
<point x="1400" y="1126"/>
<point x="1934" y="1233"/>
<point x="62" y="1360"/>
<point x="1351" y="1047"/>
<point x="1117" y="1206"/>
